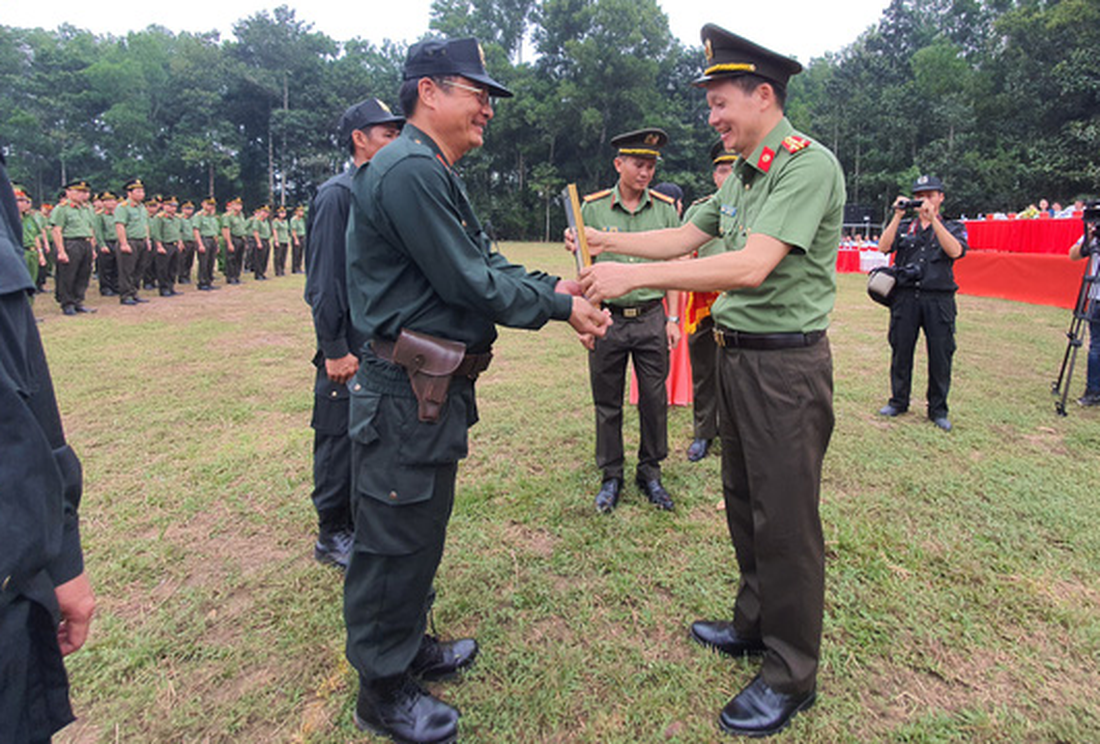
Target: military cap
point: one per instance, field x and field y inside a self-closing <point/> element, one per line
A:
<point x="171" y="200"/>
<point x="451" y="57"/>
<point x="365" y="114"/>
<point x="210" y="200"/>
<point x="282" y="210"/>
<point x="234" y="200"/>
<point x="187" y="204"/>
<point x="927" y="183"/>
<point x="132" y="184"/>
<point x="108" y="196"/>
<point x="642" y="143"/>
<point x="669" y="189"/>
<point x="155" y="199"/>
<point x="729" y="55"/>
<point x="719" y="153"/>
<point x="20" y="191"/>
<point x="78" y="185"/>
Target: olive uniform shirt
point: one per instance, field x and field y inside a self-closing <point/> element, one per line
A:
<point x="282" y="231"/>
<point x="604" y="210"/>
<point x="298" y="226"/>
<point x="208" y="225"/>
<point x="237" y="224"/>
<point x="134" y="219"/>
<point x="75" y="222"/>
<point x="792" y="190"/>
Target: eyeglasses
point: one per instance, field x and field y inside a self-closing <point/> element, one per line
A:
<point x="480" y="94"/>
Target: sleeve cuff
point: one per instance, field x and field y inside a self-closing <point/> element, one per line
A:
<point x="70" y="563"/>
<point x="563" y="306"/>
<point x="334" y="349"/>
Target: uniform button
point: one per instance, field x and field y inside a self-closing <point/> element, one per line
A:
<point x="334" y="393"/>
<point x="7" y="580"/>
<point x="393" y="495"/>
<point x="358" y="387"/>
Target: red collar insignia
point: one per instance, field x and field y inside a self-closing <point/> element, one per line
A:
<point x="766" y="159"/>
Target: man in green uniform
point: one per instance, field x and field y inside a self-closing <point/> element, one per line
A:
<point x="107" y="264"/>
<point x="131" y="226"/>
<point x="701" y="345"/>
<point x="259" y="228"/>
<point x="73" y="227"/>
<point x="167" y="235"/>
<point x="425" y="285"/>
<point x="281" y="231"/>
<point x="33" y="237"/>
<point x="779" y="217"/>
<point x="205" y="227"/>
<point x="147" y="264"/>
<point x="641" y="331"/>
<point x="298" y="239"/>
<point x="45" y="270"/>
<point x="187" y="254"/>
<point x="234" y="230"/>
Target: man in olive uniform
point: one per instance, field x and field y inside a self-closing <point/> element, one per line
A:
<point x="132" y="229"/>
<point x="280" y="230"/>
<point x="45" y="270"/>
<point x="106" y="260"/>
<point x="204" y="228"/>
<point x="926" y="248"/>
<point x="234" y="231"/>
<point x="423" y="283"/>
<point x="779" y="217"/>
<point x="147" y="263"/>
<point x="701" y="345"/>
<point x="46" y="600"/>
<point x="641" y="331"/>
<point x="187" y="254"/>
<point x="259" y="229"/>
<point x="73" y="228"/>
<point x="298" y="240"/>
<point x="365" y="128"/>
<point x="33" y="237"/>
<point x="166" y="232"/>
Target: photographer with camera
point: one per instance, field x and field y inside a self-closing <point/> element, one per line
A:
<point x="925" y="249"/>
<point x="1091" y="249"/>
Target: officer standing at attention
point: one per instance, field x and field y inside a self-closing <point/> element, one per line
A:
<point x="701" y="345"/>
<point x="132" y="229"/>
<point x="298" y="240"/>
<point x="641" y="330"/>
<point x="924" y="297"/>
<point x="167" y="234"/>
<point x="234" y="230"/>
<point x="365" y="128"/>
<point x="187" y="253"/>
<point x="260" y="229"/>
<point x="73" y="228"/>
<point x="425" y="285"/>
<point x="147" y="265"/>
<point x="281" y="230"/>
<point x="205" y="227"/>
<point x="108" y="246"/>
<point x="779" y="217"/>
<point x="46" y="601"/>
<point x="33" y="237"/>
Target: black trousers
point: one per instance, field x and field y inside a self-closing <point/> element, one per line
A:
<point x="167" y="266"/>
<point x="260" y="255"/>
<point x="234" y="258"/>
<point x="934" y="312"/>
<point x="73" y="276"/>
<point x="776" y="418"/>
<point x="207" y="255"/>
<point x="280" y="259"/>
<point x="107" y="268"/>
<point x="642" y="340"/>
<point x="331" y="454"/>
<point x="296" y="254"/>
<point x="186" y="261"/>
<point x="128" y="264"/>
<point x="148" y="266"/>
<point x="703" y="352"/>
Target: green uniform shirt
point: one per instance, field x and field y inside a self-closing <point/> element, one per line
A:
<point x="165" y="229"/>
<point x="298" y="226"/>
<point x="134" y="220"/>
<point x="790" y="189"/>
<point x="31" y="230"/>
<point x="263" y="227"/>
<point x="418" y="258"/>
<point x="604" y="210"/>
<point x="208" y="224"/>
<point x="237" y="224"/>
<point x="282" y="231"/>
<point x="187" y="234"/>
<point x="712" y="247"/>
<point x="75" y="222"/>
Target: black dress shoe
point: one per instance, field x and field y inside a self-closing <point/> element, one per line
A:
<point x="83" y="309"/>
<point x="399" y="708"/>
<point x="127" y="301"/>
<point x="140" y="300"/>
<point x="720" y="636"/>
<point x="656" y="493"/>
<point x="166" y="293"/>
<point x="68" y="310"/>
<point x="758" y="710"/>
<point x="608" y="497"/>
<point x="891" y="410"/>
<point x="698" y="450"/>
<point x="334" y="548"/>
<point x="442" y="659"/>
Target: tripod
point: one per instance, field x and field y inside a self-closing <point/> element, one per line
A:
<point x="1082" y="309"/>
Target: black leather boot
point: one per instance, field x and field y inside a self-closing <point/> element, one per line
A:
<point x="442" y="659"/>
<point x="399" y="708"/>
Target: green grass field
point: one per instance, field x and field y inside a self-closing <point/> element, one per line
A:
<point x="962" y="601"/>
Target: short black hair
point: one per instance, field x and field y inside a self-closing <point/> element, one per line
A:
<point x="408" y="96"/>
<point x="749" y="83"/>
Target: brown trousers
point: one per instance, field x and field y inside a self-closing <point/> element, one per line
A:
<point x="775" y="419"/>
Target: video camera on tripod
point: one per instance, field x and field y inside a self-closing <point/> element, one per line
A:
<point x="1087" y="297"/>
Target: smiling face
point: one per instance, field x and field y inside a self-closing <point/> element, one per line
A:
<point x="461" y="116"/>
<point x="740" y="118"/>
<point x="635" y="174"/>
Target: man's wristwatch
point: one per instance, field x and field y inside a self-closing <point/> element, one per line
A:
<point x="673" y="318"/>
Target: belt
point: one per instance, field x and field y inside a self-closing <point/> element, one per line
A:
<point x="633" y="311"/>
<point x="471" y="365"/>
<point x="765" y="341"/>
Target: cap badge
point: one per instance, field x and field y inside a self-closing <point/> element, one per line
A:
<point x="652" y="139"/>
<point x="383" y="106"/>
<point x="708" y="50"/>
<point x="481" y="53"/>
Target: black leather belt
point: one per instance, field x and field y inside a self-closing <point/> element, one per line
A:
<point x="471" y="365"/>
<point x="765" y="341"/>
<point x="633" y="311"/>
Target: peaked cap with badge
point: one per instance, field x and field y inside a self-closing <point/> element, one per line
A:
<point x="451" y="57"/>
<point x="719" y="153"/>
<point x="927" y="183"/>
<point x="365" y="114"/>
<point x="729" y="55"/>
<point x="132" y="184"/>
<point x="642" y="143"/>
<point x="78" y="185"/>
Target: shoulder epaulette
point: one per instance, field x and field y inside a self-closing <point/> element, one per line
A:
<point x="598" y="195"/>
<point x="663" y="197"/>
<point x="795" y="143"/>
<point x="702" y="200"/>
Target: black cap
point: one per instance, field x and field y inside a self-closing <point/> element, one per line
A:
<point x="927" y="183"/>
<point x="719" y="153"/>
<point x="642" y="143"/>
<point x="364" y="115"/>
<point x="729" y="55"/>
<point x="451" y="57"/>
<point x="78" y="185"/>
<point x="669" y="189"/>
<point x="134" y="183"/>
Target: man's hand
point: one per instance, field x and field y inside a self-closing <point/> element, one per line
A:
<point x="587" y="340"/>
<point x="672" y="333"/>
<point x="928" y="211"/>
<point x="343" y="369"/>
<point x="569" y="286"/>
<point x="125" y="248"/>
<point x="603" y="281"/>
<point x="77" y="604"/>
<point x="62" y="256"/>
<point x="587" y="319"/>
<point x="104" y="249"/>
<point x="898" y="202"/>
<point x="161" y="249"/>
<point x="596" y="240"/>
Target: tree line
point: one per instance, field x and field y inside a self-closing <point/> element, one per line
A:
<point x="1001" y="98"/>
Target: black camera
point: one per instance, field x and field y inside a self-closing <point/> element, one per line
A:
<point x="908" y="275"/>
<point x="909" y="204"/>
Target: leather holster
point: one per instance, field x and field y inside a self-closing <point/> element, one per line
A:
<point x="429" y="362"/>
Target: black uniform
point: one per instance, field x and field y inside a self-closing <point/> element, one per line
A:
<point x="925" y="299"/>
<point x="40" y="486"/>
<point x="326" y="292"/>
